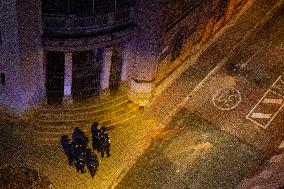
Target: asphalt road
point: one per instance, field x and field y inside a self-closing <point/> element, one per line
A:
<point x="192" y="154"/>
<point x="213" y="142"/>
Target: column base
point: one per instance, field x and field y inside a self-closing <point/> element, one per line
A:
<point x="67" y="100"/>
<point x="45" y="102"/>
<point x="141" y="92"/>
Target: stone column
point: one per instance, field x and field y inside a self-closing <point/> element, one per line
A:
<point x="106" y="68"/>
<point x="147" y="49"/>
<point x="44" y="65"/>
<point x="67" y="99"/>
<point x="128" y="60"/>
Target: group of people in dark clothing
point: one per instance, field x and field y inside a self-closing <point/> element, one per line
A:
<point x="78" y="152"/>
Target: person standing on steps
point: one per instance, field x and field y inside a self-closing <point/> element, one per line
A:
<point x="81" y="158"/>
<point x="92" y="162"/>
<point x="101" y="141"/>
<point x="69" y="149"/>
<point x="104" y="142"/>
<point x="79" y="138"/>
<point x="95" y="135"/>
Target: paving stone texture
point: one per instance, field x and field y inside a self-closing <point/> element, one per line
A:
<point x="130" y="139"/>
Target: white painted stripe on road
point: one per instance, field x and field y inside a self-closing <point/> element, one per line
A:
<point x="276" y="81"/>
<point x="258" y="103"/>
<point x="249" y="117"/>
<point x="272" y="101"/>
<point x="281" y="146"/>
<point x="274" y="115"/>
<point x="261" y="115"/>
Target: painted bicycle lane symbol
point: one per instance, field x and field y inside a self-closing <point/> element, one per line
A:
<point x="227" y="98"/>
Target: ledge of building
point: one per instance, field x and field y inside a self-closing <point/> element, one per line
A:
<point x="102" y="38"/>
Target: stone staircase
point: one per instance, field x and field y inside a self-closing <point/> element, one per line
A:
<point x="51" y="122"/>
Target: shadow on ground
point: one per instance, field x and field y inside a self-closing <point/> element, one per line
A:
<point x="198" y="155"/>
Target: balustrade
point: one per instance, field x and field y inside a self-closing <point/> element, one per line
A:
<point x="73" y="24"/>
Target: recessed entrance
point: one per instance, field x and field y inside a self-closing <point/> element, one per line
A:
<point x="86" y="74"/>
<point x="54" y="77"/>
<point x="116" y="69"/>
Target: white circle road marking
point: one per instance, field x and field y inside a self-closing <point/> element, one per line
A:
<point x="227" y="98"/>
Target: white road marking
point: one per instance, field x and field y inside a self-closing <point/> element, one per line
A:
<point x="281" y="146"/>
<point x="272" y="101"/>
<point x="229" y="101"/>
<point x="258" y="102"/>
<point x="275" y="115"/>
<point x="261" y="115"/>
<point x="276" y="81"/>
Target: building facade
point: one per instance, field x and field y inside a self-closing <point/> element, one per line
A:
<point x="61" y="51"/>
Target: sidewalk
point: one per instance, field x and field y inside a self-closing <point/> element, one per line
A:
<point x="132" y="138"/>
<point x="212" y="59"/>
<point x="190" y="81"/>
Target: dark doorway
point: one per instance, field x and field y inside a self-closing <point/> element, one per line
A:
<point x="86" y="74"/>
<point x="2" y="79"/>
<point x="55" y="77"/>
<point x="116" y="69"/>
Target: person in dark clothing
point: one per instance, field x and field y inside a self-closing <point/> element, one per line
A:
<point x="80" y="160"/>
<point x="68" y="149"/>
<point x="95" y="135"/>
<point x="104" y="142"/>
<point x="79" y="138"/>
<point x="101" y="141"/>
<point x="92" y="162"/>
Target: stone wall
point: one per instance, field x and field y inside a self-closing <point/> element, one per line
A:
<point x="149" y="18"/>
<point x="20" y="55"/>
<point x="31" y="52"/>
<point x="194" y="26"/>
<point x="10" y="93"/>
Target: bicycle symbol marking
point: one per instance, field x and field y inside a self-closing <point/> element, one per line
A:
<point x="227" y="98"/>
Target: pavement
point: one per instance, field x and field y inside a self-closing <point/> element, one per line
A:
<point x="192" y="153"/>
<point x="240" y="93"/>
<point x="245" y="96"/>
<point x="131" y="139"/>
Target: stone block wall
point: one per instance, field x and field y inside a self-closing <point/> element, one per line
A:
<point x="20" y="55"/>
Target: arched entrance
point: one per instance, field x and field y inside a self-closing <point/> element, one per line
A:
<point x="54" y="77"/>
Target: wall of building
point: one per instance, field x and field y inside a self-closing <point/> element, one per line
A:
<point x="197" y="24"/>
<point x="167" y="33"/>
<point x="31" y="52"/>
<point x="10" y="93"/>
<point x="21" y="55"/>
<point x="146" y="45"/>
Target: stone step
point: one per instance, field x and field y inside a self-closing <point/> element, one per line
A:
<point x="52" y="122"/>
<point x="46" y="131"/>
<point x="54" y="135"/>
<point x="49" y="139"/>
<point x="114" y="118"/>
<point x="84" y="106"/>
<point x="53" y="127"/>
<point x="87" y="115"/>
<point x="122" y="118"/>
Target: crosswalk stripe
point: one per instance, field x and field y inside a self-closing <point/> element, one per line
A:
<point x="261" y="115"/>
<point x="272" y="101"/>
